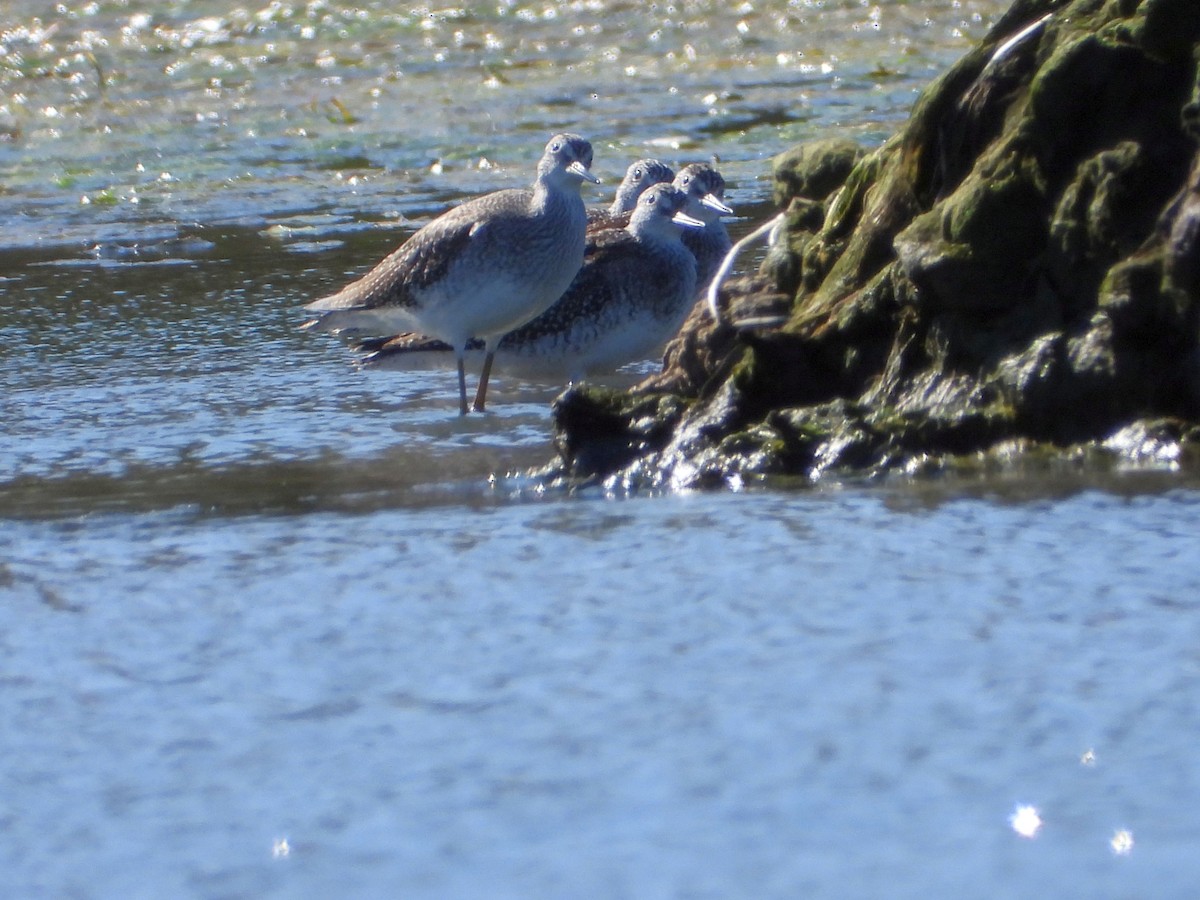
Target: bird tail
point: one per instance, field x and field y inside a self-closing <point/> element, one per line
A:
<point x="334" y="316"/>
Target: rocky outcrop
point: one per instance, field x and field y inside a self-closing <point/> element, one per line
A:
<point x="1018" y="269"/>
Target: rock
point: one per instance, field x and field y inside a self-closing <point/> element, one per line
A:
<point x="814" y="171"/>
<point x="1016" y="273"/>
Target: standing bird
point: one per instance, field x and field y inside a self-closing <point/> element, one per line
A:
<point x="635" y="289"/>
<point x="639" y="176"/>
<point x="481" y="269"/>
<point x="705" y="189"/>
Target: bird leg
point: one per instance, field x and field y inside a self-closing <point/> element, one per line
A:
<point x="481" y="392"/>
<point x="462" y="380"/>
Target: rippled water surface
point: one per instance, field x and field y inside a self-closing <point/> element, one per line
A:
<point x="274" y="626"/>
<point x="834" y="693"/>
<point x="132" y="121"/>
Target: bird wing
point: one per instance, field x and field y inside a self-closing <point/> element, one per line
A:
<point x="604" y="244"/>
<point x="416" y="264"/>
<point x="424" y="258"/>
<point x="607" y="253"/>
<point x="602" y="219"/>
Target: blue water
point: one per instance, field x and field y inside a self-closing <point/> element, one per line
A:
<point x="271" y="626"/>
<point x="834" y="692"/>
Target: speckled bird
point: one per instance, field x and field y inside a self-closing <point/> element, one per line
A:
<point x="640" y="175"/>
<point x="705" y="189"/>
<point x="635" y="289"/>
<point x="479" y="270"/>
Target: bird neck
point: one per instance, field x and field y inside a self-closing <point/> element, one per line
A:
<point x="551" y="195"/>
<point x="622" y="203"/>
<point x="655" y="232"/>
<point x="714" y="226"/>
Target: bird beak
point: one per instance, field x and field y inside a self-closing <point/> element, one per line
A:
<point x="682" y="218"/>
<point x="579" y="170"/>
<point x="712" y="202"/>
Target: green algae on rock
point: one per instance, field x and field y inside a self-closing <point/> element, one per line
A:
<point x="1019" y="267"/>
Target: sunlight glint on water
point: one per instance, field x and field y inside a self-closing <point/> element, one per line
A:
<point x="274" y="627"/>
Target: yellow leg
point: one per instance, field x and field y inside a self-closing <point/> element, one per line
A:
<point x="462" y="382"/>
<point x="481" y="393"/>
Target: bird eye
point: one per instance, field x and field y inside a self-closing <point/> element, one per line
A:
<point x="637" y="173"/>
<point x="687" y="179"/>
<point x="555" y="147"/>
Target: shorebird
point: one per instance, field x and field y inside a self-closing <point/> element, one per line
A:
<point x="705" y="189"/>
<point x="635" y="289"/>
<point x="479" y="270"/>
<point x="639" y="176"/>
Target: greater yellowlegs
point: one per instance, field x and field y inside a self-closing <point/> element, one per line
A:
<point x="705" y="189"/>
<point x="639" y="176"/>
<point x="635" y="289"/>
<point x="480" y="269"/>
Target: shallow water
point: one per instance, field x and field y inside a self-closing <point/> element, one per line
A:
<point x="713" y="698"/>
<point x="131" y="122"/>
<point x="178" y="186"/>
<point x="274" y="626"/>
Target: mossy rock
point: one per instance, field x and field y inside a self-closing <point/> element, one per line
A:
<point x="813" y="171"/>
<point x="1016" y="271"/>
